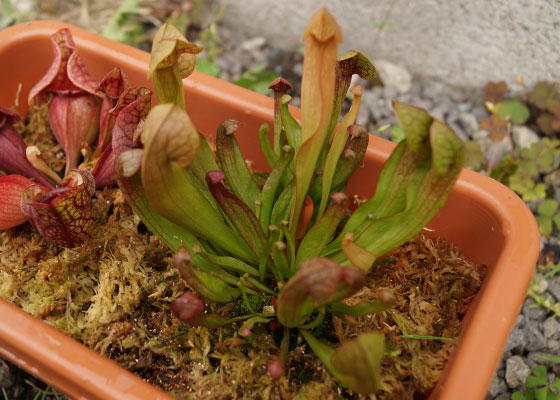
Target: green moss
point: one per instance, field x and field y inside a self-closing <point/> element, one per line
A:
<point x="256" y="302"/>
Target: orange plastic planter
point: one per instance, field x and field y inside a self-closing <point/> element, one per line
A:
<point x="482" y="217"/>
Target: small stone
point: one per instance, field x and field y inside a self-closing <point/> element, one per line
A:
<point x="551" y="328"/>
<point x="553" y="346"/>
<point x="517" y="335"/>
<point x="480" y="112"/>
<point x="543" y="285"/>
<point x="532" y="311"/>
<point x="481" y="134"/>
<point x="5" y="378"/>
<point x="253" y="43"/>
<point x="523" y="136"/>
<point x="464" y="107"/>
<point x="516" y="372"/>
<point x="469" y="122"/>
<point x="497" y="150"/>
<point x="440" y="111"/>
<point x="497" y="386"/>
<point x="389" y="93"/>
<point x="393" y="75"/>
<point x="363" y="116"/>
<point x="554" y="288"/>
<point x="298" y="69"/>
<point x="424" y="103"/>
<point x="535" y="339"/>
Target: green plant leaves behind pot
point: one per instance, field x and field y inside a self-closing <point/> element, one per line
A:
<point x="356" y="363"/>
<point x="548" y="215"/>
<point x="513" y="110"/>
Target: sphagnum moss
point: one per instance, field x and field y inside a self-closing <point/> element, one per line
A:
<point x="114" y="297"/>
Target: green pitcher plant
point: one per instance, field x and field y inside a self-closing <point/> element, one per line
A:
<point x="293" y="239"/>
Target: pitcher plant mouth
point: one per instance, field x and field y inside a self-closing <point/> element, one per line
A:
<point x="288" y="235"/>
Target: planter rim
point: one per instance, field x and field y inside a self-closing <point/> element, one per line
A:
<point x="32" y="344"/>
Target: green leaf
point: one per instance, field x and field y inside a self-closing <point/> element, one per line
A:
<point x="474" y="155"/>
<point x="543" y="94"/>
<point x="397" y="134"/>
<point x="206" y="66"/>
<point x="544" y="155"/>
<point x="356" y="363"/>
<point x="349" y="64"/>
<point x="250" y="323"/>
<point x="240" y="214"/>
<point x="169" y="233"/>
<point x="537" y="378"/>
<point x="545" y="224"/>
<point x="549" y="357"/>
<point x="356" y="254"/>
<point x="515" y="110"/>
<point x="270" y="188"/>
<point x="233" y="164"/>
<point x="257" y="79"/>
<point x="209" y="285"/>
<point x="350" y="159"/>
<point x="547" y="207"/>
<point x="519" y="396"/>
<point x="381" y="25"/>
<point x="397" y="171"/>
<point x="525" y="186"/>
<point x="123" y="26"/>
<point x="425" y="194"/>
<point x="269" y="154"/>
<point x="281" y="210"/>
<point x="9" y="15"/>
<point x="337" y="146"/>
<point x="291" y="126"/>
<point x="556" y="220"/>
<point x="322" y="232"/>
<point x="204" y="160"/>
<point x="227" y="262"/>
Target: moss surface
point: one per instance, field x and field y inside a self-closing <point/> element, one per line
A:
<point x="113" y="295"/>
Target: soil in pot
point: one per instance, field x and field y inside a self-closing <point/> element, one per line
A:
<point x="113" y="295"/>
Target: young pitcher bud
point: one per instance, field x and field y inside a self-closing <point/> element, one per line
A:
<point x="187" y="307"/>
<point x="275" y="370"/>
